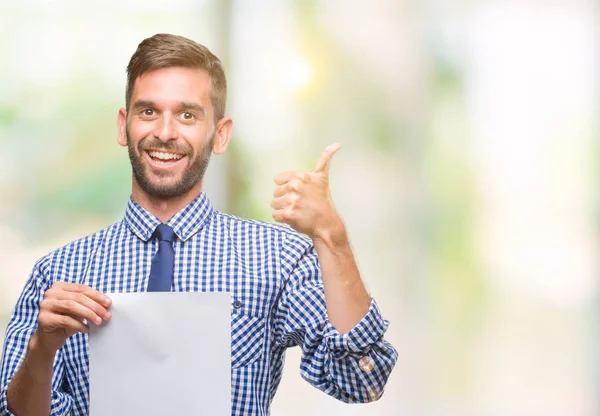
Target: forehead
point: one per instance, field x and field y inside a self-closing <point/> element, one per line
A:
<point x="173" y="85"/>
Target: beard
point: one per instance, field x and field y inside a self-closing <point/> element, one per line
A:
<point x="192" y="174"/>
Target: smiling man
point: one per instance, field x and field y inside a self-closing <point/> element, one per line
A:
<point x="287" y="290"/>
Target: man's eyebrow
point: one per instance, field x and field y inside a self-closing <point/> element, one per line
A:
<point x="142" y="103"/>
<point x="192" y="106"/>
<point x="183" y="105"/>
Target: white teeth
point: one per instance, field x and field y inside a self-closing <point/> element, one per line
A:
<point x="165" y="156"/>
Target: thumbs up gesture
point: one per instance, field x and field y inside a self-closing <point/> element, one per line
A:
<point x="302" y="200"/>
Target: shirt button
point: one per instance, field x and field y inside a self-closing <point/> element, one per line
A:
<point x="366" y="364"/>
<point x="374" y="394"/>
<point x="237" y="304"/>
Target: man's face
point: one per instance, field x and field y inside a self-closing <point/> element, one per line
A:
<point x="170" y="131"/>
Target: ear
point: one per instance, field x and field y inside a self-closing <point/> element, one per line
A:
<point x="223" y="135"/>
<point x="122" y="126"/>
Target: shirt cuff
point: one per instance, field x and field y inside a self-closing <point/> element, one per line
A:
<point x="359" y="339"/>
<point x="4" y="401"/>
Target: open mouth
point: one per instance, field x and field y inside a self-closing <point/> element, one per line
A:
<point x="159" y="158"/>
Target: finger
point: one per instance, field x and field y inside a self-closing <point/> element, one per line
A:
<point x="84" y="300"/>
<point x="68" y="322"/>
<point x="284" y="177"/>
<point x="326" y="156"/>
<point x="279" y="203"/>
<point x="72" y="308"/>
<point x="58" y="321"/>
<point x="282" y="215"/>
<point x="294" y="185"/>
<point x="280" y="190"/>
<point x="93" y="294"/>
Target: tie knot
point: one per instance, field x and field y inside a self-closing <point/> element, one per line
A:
<point x="164" y="233"/>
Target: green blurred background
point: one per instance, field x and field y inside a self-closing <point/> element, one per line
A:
<point x="467" y="178"/>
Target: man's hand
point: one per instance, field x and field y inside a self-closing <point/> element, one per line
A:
<point x="302" y="200"/>
<point x="63" y="311"/>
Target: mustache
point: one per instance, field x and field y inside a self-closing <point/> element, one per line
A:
<point x="155" y="144"/>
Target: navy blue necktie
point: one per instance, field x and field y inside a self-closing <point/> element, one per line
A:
<point x="161" y="272"/>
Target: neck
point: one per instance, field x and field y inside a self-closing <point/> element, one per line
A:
<point x="164" y="208"/>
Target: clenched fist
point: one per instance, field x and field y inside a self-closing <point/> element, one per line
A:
<point x="302" y="200"/>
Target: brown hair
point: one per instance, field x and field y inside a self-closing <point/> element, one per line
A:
<point x="167" y="51"/>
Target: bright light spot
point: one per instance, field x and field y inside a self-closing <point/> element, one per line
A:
<point x="298" y="73"/>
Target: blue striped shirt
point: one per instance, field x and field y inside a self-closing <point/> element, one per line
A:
<point x="275" y="282"/>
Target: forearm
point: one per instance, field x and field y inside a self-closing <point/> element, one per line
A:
<point x="30" y="390"/>
<point x="346" y="297"/>
<point x="326" y="310"/>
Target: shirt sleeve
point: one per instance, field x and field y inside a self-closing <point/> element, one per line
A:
<point x="352" y="367"/>
<point x="21" y="327"/>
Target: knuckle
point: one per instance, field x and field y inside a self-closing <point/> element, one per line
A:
<point x="79" y="288"/>
<point x="44" y="304"/>
<point x="43" y="318"/>
<point x="80" y="298"/>
<point x="55" y="288"/>
<point x="71" y="304"/>
<point x="48" y="305"/>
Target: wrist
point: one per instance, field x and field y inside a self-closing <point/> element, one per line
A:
<point x="332" y="237"/>
<point x="39" y="354"/>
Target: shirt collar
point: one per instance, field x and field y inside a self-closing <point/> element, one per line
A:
<point x="185" y="223"/>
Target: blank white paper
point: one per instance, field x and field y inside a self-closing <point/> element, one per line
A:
<point x="162" y="353"/>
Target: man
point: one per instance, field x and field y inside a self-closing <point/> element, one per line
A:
<point x="286" y="289"/>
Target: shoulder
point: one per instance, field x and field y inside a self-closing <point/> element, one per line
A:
<point x="76" y="252"/>
<point x="282" y="233"/>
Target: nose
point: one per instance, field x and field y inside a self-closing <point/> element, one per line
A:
<point x="166" y="129"/>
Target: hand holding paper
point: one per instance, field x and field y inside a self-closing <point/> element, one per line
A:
<point x="63" y="310"/>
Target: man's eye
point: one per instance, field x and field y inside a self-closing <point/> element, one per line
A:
<point x="148" y="112"/>
<point x="187" y="116"/>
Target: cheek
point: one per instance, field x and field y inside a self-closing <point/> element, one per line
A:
<point x="140" y="131"/>
<point x="196" y="139"/>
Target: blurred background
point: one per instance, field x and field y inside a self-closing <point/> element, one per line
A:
<point x="468" y="175"/>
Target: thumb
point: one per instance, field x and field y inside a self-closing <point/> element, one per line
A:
<point x="322" y="165"/>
